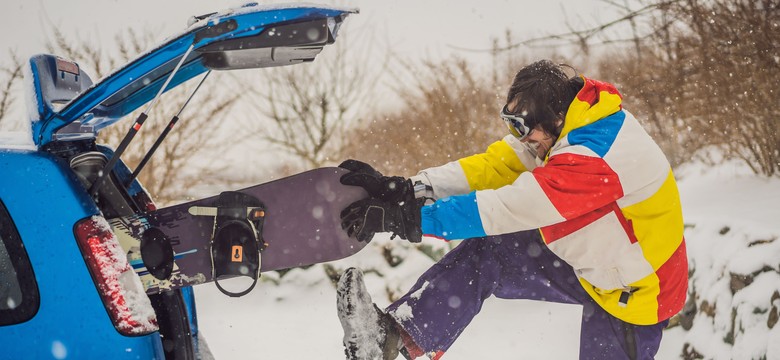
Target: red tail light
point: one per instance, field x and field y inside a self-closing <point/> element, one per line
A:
<point x="119" y="287"/>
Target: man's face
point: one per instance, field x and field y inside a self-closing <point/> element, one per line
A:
<point x="539" y="139"/>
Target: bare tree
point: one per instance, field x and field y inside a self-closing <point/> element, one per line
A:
<point x="738" y="69"/>
<point x="307" y="107"/>
<point x="11" y="77"/>
<point x="186" y="157"/>
<point x="704" y="62"/>
<point x="448" y="111"/>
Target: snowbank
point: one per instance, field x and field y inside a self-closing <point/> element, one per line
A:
<point x="732" y="232"/>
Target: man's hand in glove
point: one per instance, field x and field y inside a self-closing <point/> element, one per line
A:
<point x="394" y="189"/>
<point x="363" y="218"/>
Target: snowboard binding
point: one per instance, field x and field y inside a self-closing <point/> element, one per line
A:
<point x="157" y="253"/>
<point x="236" y="241"/>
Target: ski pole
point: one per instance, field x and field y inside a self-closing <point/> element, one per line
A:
<point x="164" y="134"/>
<point x="133" y="130"/>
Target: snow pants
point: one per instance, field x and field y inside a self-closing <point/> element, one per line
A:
<point x="514" y="266"/>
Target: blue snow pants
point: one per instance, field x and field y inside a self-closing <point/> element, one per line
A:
<point x="513" y="266"/>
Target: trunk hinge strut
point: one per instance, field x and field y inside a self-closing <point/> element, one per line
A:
<point x="93" y="190"/>
<point x="164" y="134"/>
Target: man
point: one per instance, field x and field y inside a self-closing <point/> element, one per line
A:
<point x="578" y="205"/>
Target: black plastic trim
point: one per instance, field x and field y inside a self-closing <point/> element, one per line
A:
<point x="174" y="325"/>
<point x="31" y="299"/>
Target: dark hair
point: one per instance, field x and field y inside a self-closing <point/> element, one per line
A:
<point x="543" y="93"/>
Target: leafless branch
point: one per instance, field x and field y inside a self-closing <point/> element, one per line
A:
<point x="307" y="107"/>
<point x="581" y="38"/>
<point x="13" y="74"/>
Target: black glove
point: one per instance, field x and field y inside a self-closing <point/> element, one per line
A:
<point x="363" y="218"/>
<point x="392" y="189"/>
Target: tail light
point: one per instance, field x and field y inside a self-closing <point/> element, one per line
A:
<point x="120" y="288"/>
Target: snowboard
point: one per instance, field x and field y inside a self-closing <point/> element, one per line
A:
<point x="286" y="223"/>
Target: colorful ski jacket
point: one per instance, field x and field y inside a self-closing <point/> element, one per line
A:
<point x="604" y="199"/>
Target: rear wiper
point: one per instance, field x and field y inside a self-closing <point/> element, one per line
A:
<point x="164" y="133"/>
<point x="102" y="175"/>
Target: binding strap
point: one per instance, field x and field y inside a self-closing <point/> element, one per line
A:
<point x="236" y="241"/>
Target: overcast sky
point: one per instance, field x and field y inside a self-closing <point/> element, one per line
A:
<point x="414" y="29"/>
<point x="419" y="28"/>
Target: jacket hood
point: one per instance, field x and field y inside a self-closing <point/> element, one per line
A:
<point x="596" y="100"/>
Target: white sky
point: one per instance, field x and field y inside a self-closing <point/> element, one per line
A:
<point x="413" y="29"/>
<point x="419" y="28"/>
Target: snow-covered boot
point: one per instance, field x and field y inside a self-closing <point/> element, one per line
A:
<point x="369" y="333"/>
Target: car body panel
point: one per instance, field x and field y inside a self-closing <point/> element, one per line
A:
<point x="83" y="328"/>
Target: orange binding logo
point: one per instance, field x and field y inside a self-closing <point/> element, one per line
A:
<point x="238" y="253"/>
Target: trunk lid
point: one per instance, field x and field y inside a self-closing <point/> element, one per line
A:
<point x="66" y="104"/>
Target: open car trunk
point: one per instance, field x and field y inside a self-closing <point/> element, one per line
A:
<point x="68" y="110"/>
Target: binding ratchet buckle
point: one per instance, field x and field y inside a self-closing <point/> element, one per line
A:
<point x="236" y="241"/>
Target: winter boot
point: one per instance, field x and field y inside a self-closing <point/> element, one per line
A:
<point x="369" y="333"/>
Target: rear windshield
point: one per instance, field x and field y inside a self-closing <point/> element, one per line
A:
<point x="18" y="290"/>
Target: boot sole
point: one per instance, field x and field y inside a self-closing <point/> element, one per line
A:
<point x="362" y="332"/>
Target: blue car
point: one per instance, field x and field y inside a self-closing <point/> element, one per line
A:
<point x="67" y="289"/>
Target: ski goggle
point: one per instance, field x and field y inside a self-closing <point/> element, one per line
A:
<point x="516" y="124"/>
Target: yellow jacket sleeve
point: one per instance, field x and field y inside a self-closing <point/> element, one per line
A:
<point x="498" y="166"/>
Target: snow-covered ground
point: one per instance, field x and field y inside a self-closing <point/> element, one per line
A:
<point x="296" y="319"/>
